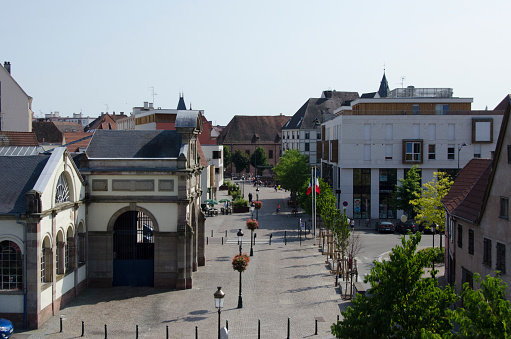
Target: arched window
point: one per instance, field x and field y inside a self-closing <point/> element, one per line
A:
<point x="62" y="190"/>
<point x="11" y="266"/>
<point x="46" y="261"/>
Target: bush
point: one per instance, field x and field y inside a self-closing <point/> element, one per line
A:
<point x="240" y="202"/>
<point x="439" y="254"/>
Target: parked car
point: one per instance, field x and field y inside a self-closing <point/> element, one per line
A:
<point x="404" y="227"/>
<point x="425" y="227"/>
<point x="6" y="328"/>
<point x="385" y="226"/>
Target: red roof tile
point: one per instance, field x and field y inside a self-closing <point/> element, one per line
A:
<point x="18" y="139"/>
<point x="70" y="137"/>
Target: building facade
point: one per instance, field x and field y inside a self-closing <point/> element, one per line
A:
<point x="366" y="150"/>
<point x="15" y="105"/>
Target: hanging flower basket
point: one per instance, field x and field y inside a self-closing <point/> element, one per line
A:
<point x="252" y="224"/>
<point x="257" y="204"/>
<point x="240" y="262"/>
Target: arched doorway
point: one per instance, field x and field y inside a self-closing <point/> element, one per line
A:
<point x="133" y="240"/>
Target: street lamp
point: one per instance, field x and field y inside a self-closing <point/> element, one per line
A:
<point x="243" y="178"/>
<point x="240" y="241"/>
<point x="257" y="198"/>
<point x="219" y="303"/>
<point x="459" y="149"/>
<point x="252" y="208"/>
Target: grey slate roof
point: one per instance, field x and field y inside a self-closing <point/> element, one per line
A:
<point x="384" y="89"/>
<point x="19" y="175"/>
<point x="134" y="144"/>
<point x="181" y="104"/>
<point x="318" y="110"/>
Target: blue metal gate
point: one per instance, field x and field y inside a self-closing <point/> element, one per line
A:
<point x="133" y="262"/>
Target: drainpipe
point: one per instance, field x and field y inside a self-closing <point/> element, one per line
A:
<point x="24" y="224"/>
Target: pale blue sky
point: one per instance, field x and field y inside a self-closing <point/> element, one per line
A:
<point x="249" y="58"/>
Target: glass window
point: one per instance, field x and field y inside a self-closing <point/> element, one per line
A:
<point x="270" y="154"/>
<point x="388" y="152"/>
<point x="504" y="207"/>
<point x="11" y="266"/>
<point x="307" y="147"/>
<point x="431" y="151"/>
<point x="361" y="193"/>
<point x="415" y="109"/>
<point x="307" y="135"/>
<point x="460" y="236"/>
<point x="413" y="151"/>
<point x="62" y="190"/>
<point x="450" y="152"/>
<point x="501" y="258"/>
<point x="387" y="182"/>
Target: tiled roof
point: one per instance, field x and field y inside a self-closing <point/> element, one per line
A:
<point x="19" y="175"/>
<point x="243" y="129"/>
<point x="18" y="139"/>
<point x="75" y="147"/>
<point x="134" y="144"/>
<point x="466" y="196"/>
<point x="68" y="126"/>
<point x="46" y="132"/>
<point x="318" y="110"/>
<point x="105" y="121"/>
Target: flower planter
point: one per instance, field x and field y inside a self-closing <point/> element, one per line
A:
<point x="240" y="209"/>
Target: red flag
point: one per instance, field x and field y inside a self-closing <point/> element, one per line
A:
<point x="317" y="185"/>
<point x="309" y="189"/>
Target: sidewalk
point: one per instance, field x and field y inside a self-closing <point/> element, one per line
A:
<point x="282" y="281"/>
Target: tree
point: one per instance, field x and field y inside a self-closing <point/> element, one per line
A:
<point x="427" y="203"/>
<point x="403" y="303"/>
<point x="258" y="159"/>
<point x="486" y="313"/>
<point x="292" y="171"/>
<point x="227" y="156"/>
<point x="405" y="191"/>
<point x="240" y="160"/>
<point x="324" y="200"/>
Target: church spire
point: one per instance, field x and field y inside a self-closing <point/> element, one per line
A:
<point x="181" y="104"/>
<point x="384" y="89"/>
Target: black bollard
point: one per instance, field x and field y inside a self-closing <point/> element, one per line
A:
<point x="60" y="324"/>
<point x="271" y="236"/>
<point x="137" y="333"/>
<point x="316" y="332"/>
<point x="207" y="240"/>
<point x="288" y="328"/>
<point x="211" y="233"/>
<point x="167" y="330"/>
<point x="255" y="236"/>
<point x="106" y="333"/>
<point x="226" y="233"/>
<point x="83" y="329"/>
<point x="258" y="328"/>
<point x="196" y="332"/>
<point x="285" y="237"/>
<point x="227" y="325"/>
<point x="222" y="240"/>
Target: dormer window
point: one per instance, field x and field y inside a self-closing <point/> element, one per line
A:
<point x="62" y="190"/>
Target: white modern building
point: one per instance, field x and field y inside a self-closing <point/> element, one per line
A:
<point x="367" y="149"/>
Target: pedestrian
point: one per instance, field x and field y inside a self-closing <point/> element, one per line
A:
<point x="275" y="187"/>
<point x="278" y="208"/>
<point x="250" y="197"/>
<point x="352" y="224"/>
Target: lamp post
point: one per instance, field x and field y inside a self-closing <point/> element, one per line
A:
<point x="257" y="198"/>
<point x="240" y="241"/>
<point x="459" y="149"/>
<point x="219" y="303"/>
<point x="243" y="194"/>
<point x="252" y="208"/>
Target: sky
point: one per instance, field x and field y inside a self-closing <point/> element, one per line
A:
<point x="249" y="57"/>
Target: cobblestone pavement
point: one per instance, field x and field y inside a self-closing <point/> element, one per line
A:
<point x="283" y="282"/>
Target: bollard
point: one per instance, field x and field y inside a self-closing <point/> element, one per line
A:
<point x="285" y="237"/>
<point x="316" y="331"/>
<point x="83" y="329"/>
<point x="196" y="332"/>
<point x="258" y="328"/>
<point x="255" y="236"/>
<point x="227" y="325"/>
<point x="271" y="236"/>
<point x="288" y="328"/>
<point x="106" y="333"/>
<point x="167" y="330"/>
<point x="226" y="233"/>
<point x="137" y="333"/>
<point x="207" y="240"/>
<point x="211" y="233"/>
<point x="60" y="324"/>
<point x="222" y="240"/>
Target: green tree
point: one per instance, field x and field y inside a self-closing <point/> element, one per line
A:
<point x="292" y="171"/>
<point x="324" y="200"/>
<point x="427" y="203"/>
<point x="486" y="313"/>
<point x="403" y="303"/>
<point x="406" y="190"/>
<point x="227" y="156"/>
<point x="258" y="159"/>
<point x="240" y="160"/>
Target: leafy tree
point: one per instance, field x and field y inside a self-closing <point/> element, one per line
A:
<point x="427" y="203"/>
<point x="292" y="171"/>
<point x="405" y="191"/>
<point x="325" y="200"/>
<point x="258" y="159"/>
<point x="240" y="160"/>
<point x="486" y="313"/>
<point x="403" y="304"/>
<point x="227" y="156"/>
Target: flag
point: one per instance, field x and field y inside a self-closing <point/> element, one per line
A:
<point x="309" y="189"/>
<point x="316" y="186"/>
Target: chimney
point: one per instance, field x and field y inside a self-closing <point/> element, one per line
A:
<point x="151" y="105"/>
<point x="7" y="66"/>
<point x="146" y="105"/>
